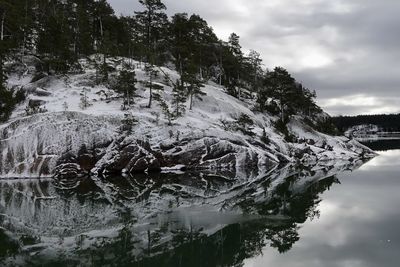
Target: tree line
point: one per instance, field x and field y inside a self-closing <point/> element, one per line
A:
<point x="60" y="32"/>
<point x="387" y="122"/>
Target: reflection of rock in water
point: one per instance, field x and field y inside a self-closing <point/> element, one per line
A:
<point x="195" y="219"/>
<point x="8" y="246"/>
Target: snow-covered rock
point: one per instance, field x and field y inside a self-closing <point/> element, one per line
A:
<point x="32" y="146"/>
<point x="206" y="137"/>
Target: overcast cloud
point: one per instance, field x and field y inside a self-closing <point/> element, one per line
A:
<point x="347" y="50"/>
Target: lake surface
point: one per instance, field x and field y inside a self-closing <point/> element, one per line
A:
<point x="341" y="215"/>
<point x="359" y="222"/>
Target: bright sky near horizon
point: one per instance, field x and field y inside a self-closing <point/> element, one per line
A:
<point x="347" y="50"/>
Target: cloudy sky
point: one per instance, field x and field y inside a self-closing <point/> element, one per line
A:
<point x="347" y="50"/>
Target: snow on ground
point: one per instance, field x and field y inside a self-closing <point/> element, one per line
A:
<point x="326" y="147"/>
<point x="27" y="141"/>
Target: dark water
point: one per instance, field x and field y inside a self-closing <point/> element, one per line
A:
<point x="383" y="145"/>
<point x="341" y="215"/>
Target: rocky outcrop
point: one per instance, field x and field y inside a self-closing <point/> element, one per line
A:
<point x="67" y="139"/>
<point x="129" y="156"/>
<point x="34" y="146"/>
<point x="71" y="144"/>
<point x="214" y="153"/>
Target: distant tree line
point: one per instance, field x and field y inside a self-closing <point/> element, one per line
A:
<point x="387" y="122"/>
<point x="60" y="32"/>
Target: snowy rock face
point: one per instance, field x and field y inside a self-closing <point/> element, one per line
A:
<point x="69" y="140"/>
<point x="317" y="147"/>
<point x="32" y="146"/>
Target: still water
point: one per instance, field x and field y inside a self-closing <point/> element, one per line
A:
<point x="338" y="215"/>
<point x="358" y="223"/>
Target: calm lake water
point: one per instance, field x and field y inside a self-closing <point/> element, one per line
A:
<point x="358" y="223"/>
<point x="342" y="215"/>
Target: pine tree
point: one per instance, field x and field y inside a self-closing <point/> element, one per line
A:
<point x="192" y="83"/>
<point x="168" y="114"/>
<point x="234" y="46"/>
<point x="233" y="65"/>
<point x="54" y="36"/>
<point x="84" y="101"/>
<point x="126" y="86"/>
<point x="181" y="39"/>
<point x="153" y="21"/>
<point x="15" y="23"/>
<point x="136" y="45"/>
<point x="152" y="73"/>
<point x="128" y="123"/>
<point x="254" y="59"/>
<point x="202" y="44"/>
<point x="83" y="35"/>
<point x="264" y="93"/>
<point x="179" y="98"/>
<point x="103" y="21"/>
<point x="281" y="89"/>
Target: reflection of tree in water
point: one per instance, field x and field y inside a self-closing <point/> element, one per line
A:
<point x="285" y="196"/>
<point x="229" y="246"/>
